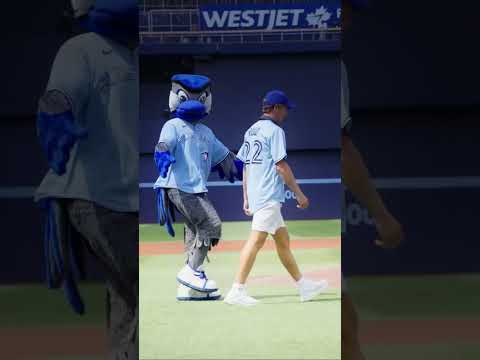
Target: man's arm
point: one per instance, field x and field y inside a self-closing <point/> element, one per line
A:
<point x="356" y="178"/>
<point x="246" y="207"/>
<point x="286" y="173"/>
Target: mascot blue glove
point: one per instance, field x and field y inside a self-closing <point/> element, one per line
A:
<point x="229" y="169"/>
<point x="166" y="210"/>
<point x="58" y="133"/>
<point x="163" y="161"/>
<point x="239" y="166"/>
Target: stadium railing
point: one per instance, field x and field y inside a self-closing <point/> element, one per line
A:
<point x="240" y="37"/>
<point x="194" y="4"/>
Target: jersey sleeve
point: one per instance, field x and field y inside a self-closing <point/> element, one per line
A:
<point x="168" y="135"/>
<point x="219" y="151"/>
<point x="278" y="145"/>
<point x="70" y="74"/>
<point x="242" y="153"/>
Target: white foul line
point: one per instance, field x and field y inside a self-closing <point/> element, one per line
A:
<point x="239" y="183"/>
<point x="407" y="183"/>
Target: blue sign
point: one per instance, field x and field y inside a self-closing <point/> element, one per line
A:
<point x="323" y="14"/>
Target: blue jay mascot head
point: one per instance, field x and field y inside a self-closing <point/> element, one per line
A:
<point x="116" y="19"/>
<point x="190" y="97"/>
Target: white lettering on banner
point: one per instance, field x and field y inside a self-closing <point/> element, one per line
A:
<point x="234" y="19"/>
<point x="215" y="19"/>
<point x="290" y="195"/>
<point x="357" y="215"/>
<point x="296" y="16"/>
<point x="247" y="17"/>
<point x="252" y="18"/>
<point x="261" y="16"/>
<point x="282" y="18"/>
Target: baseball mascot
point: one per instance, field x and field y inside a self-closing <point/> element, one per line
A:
<point x="186" y="153"/>
<point x="87" y="126"/>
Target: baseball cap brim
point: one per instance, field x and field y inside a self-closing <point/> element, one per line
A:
<point x="290" y="105"/>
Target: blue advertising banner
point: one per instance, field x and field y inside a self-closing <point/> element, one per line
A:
<point x="322" y="14"/>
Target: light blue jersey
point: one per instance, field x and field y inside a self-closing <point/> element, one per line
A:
<point x="264" y="146"/>
<point x="99" y="77"/>
<point x="196" y="150"/>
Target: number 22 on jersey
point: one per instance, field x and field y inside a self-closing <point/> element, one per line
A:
<point x="252" y="151"/>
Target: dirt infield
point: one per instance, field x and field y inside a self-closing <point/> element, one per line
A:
<point x="53" y="342"/>
<point x="420" y="332"/>
<point x="176" y="247"/>
<point x="60" y="342"/>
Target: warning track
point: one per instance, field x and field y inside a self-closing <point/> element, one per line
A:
<point x="88" y="342"/>
<point x="176" y="247"/>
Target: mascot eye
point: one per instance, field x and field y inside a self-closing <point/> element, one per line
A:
<point x="182" y="96"/>
<point x="203" y="97"/>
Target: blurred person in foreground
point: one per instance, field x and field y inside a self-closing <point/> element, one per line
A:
<point x="87" y="126"/>
<point x="356" y="178"/>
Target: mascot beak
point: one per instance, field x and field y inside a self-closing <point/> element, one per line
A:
<point x="191" y="110"/>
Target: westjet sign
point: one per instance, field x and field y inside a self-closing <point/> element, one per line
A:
<point x="309" y="15"/>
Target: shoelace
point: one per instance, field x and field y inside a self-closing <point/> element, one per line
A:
<point x="201" y="275"/>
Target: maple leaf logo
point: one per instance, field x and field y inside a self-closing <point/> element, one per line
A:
<point x="319" y="18"/>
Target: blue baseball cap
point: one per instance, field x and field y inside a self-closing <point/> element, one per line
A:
<point x="277" y="97"/>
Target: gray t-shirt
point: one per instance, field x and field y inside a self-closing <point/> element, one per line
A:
<point x="99" y="77"/>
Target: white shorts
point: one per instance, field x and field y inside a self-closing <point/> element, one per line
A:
<point x="268" y="219"/>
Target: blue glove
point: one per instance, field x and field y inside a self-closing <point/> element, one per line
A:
<point x="165" y="210"/>
<point x="58" y="133"/>
<point x="239" y="166"/>
<point x="163" y="160"/>
<point x="229" y="169"/>
<point x="221" y="173"/>
<point x="61" y="254"/>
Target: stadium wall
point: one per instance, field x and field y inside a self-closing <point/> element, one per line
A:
<point x="239" y="83"/>
<point x="424" y="163"/>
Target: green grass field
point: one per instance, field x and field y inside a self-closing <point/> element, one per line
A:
<point x="427" y="316"/>
<point x="279" y="328"/>
<point x="439" y="316"/>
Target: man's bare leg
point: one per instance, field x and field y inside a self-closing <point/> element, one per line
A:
<point x="249" y="254"/>
<point x="238" y="293"/>
<point x="282" y="242"/>
<point x="350" y="342"/>
<point x="308" y="288"/>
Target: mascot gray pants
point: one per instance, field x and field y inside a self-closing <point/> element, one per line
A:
<point x="112" y="237"/>
<point x="203" y="227"/>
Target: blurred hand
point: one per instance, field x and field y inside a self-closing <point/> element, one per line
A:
<point x="390" y="232"/>
<point x="302" y="201"/>
<point x="246" y="208"/>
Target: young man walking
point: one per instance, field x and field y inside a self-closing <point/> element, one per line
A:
<point x="265" y="173"/>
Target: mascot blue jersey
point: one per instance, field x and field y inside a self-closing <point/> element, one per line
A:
<point x="196" y="150"/>
<point x="99" y="78"/>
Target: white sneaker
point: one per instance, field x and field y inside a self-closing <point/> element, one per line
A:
<point x="238" y="296"/>
<point x="196" y="280"/>
<point x="187" y="294"/>
<point x="309" y="289"/>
